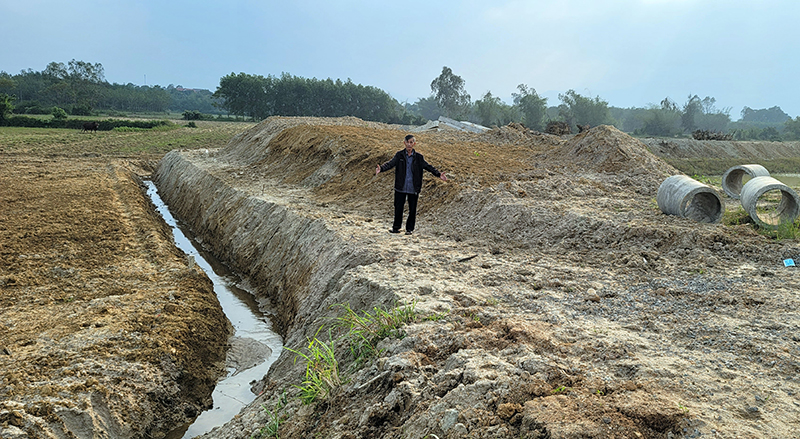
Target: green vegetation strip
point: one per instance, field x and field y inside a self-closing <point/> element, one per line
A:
<point x="117" y="142"/>
<point x="714" y="166"/>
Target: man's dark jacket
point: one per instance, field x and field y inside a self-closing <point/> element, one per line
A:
<point x="417" y="165"/>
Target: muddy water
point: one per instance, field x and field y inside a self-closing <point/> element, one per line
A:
<point x="232" y="392"/>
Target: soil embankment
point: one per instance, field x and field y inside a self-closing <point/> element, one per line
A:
<point x="716" y="156"/>
<point x="105" y="328"/>
<point x="555" y="299"/>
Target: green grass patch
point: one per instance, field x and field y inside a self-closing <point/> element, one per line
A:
<point x="740" y="216"/>
<point x="783" y="231"/>
<point x="322" y="370"/>
<point x="117" y="142"/>
<point x="364" y="330"/>
<point x="275" y="417"/>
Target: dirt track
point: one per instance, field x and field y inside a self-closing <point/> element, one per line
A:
<point x="572" y="306"/>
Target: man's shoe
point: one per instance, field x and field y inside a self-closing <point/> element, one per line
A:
<point x="394" y="231"/>
<point x="408" y="232"/>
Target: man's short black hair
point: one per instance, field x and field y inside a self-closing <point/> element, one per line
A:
<point x="409" y="137"/>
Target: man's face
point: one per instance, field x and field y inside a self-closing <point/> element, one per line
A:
<point x="410" y="144"/>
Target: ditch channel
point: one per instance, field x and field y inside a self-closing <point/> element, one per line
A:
<point x="250" y="321"/>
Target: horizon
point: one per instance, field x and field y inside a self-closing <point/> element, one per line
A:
<point x="629" y="53"/>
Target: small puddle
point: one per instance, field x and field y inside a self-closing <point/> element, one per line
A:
<point x="233" y="391"/>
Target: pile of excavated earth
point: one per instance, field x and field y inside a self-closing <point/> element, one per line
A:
<point x="553" y="299"/>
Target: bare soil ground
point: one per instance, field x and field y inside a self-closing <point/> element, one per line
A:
<point x="571" y="306"/>
<point x="575" y="307"/>
<point x="105" y="330"/>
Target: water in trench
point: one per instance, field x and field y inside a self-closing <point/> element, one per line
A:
<point x="233" y="391"/>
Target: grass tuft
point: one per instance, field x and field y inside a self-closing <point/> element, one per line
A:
<point x="366" y="329"/>
<point x="322" y="370"/>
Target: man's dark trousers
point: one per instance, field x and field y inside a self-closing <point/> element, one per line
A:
<point x="399" y="201"/>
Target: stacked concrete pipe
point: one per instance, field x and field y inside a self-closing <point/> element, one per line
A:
<point x="787" y="211"/>
<point x="685" y="197"/>
<point x="732" y="178"/>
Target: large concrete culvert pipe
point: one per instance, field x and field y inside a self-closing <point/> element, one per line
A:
<point x="732" y="178"/>
<point x="688" y="198"/>
<point x="761" y="194"/>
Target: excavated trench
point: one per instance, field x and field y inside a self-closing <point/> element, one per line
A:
<point x="254" y="346"/>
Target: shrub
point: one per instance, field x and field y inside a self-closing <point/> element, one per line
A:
<point x="77" y="124"/>
<point x="58" y="113"/>
<point x="192" y="115"/>
<point x="81" y="110"/>
<point x="6" y="106"/>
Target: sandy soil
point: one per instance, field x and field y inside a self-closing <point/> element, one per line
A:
<point x="105" y="330"/>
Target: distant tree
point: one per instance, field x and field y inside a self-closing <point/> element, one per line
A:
<point x="791" y="130"/>
<point x="532" y="107"/>
<point x="288" y="95"/>
<point x="717" y="121"/>
<point x="84" y="71"/>
<point x="768" y="115"/>
<point x="669" y="105"/>
<point x="489" y="110"/>
<point x="448" y="90"/>
<point x="182" y="99"/>
<point x="7" y="83"/>
<point x="427" y="108"/>
<point x="701" y="114"/>
<point x="552" y="113"/>
<point x="770" y="134"/>
<point x="56" y="71"/>
<point x="691" y="109"/>
<point x="579" y="110"/>
<point x="6" y="107"/>
<point x="663" y="122"/>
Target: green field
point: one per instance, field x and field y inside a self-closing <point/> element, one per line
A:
<point x="117" y="143"/>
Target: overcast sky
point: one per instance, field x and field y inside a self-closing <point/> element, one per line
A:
<point x="630" y="53"/>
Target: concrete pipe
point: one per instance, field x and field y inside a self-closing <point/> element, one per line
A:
<point x="688" y="198"/>
<point x="773" y="212"/>
<point x="732" y="178"/>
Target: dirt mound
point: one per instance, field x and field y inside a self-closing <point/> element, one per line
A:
<point x="517" y="133"/>
<point x="251" y="145"/>
<point x="607" y="149"/>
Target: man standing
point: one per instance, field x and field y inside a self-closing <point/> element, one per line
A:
<point x="407" y="182"/>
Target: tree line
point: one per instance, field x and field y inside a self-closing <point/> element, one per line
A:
<point x="668" y="118"/>
<point x="80" y="88"/>
<point x="259" y="97"/>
